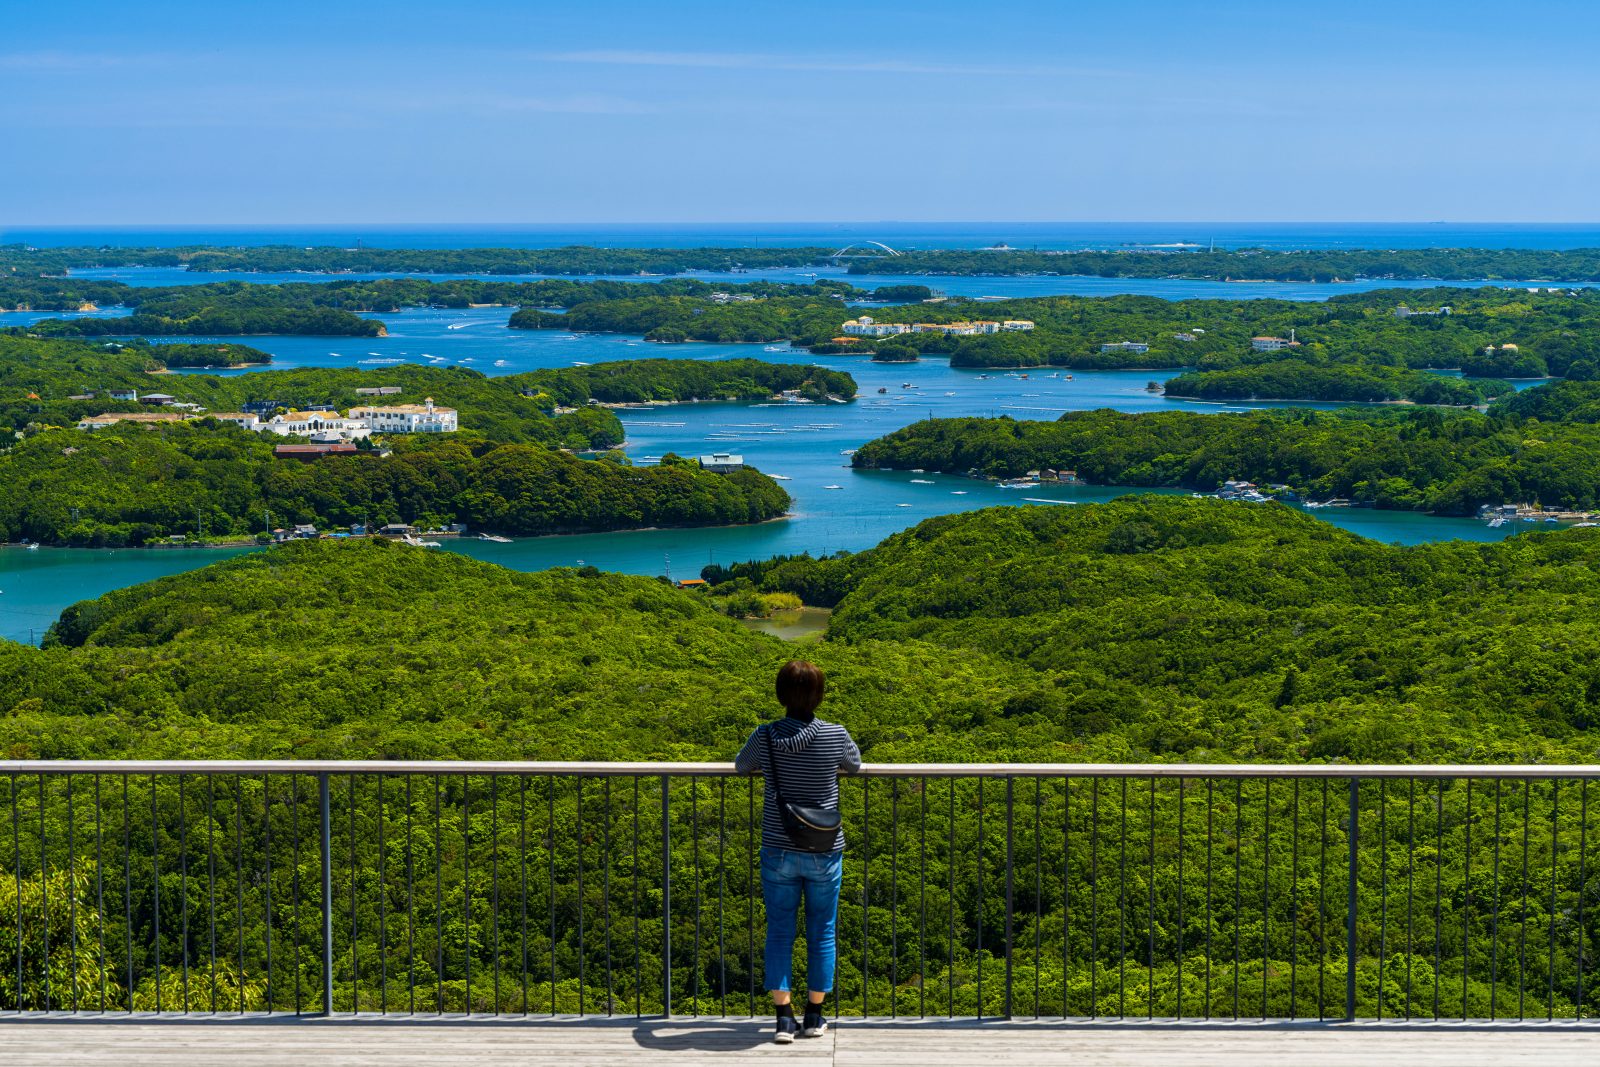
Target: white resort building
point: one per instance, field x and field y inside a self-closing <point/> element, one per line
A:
<point x="867" y="326"/>
<point x="408" y="418"/>
<point x="1124" y="346"/>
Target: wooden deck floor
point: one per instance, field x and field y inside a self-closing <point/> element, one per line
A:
<point x="487" y="1043"/>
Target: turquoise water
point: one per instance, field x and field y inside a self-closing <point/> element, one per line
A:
<point x="978" y="234"/>
<point x="987" y="286"/>
<point x="804" y="443"/>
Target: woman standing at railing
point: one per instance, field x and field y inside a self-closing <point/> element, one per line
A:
<point x="802" y="844"/>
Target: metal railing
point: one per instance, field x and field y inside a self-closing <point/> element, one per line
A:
<point x="1056" y="891"/>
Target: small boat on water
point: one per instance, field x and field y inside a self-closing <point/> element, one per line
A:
<point x="881" y="389"/>
<point x="496" y="538"/>
<point x="921" y="481"/>
<point x="833" y="487"/>
<point x="580" y="363"/>
<point x="780" y="477"/>
<point x="1494" y="523"/>
<point x="502" y="363"/>
<point x="381" y="361"/>
<point x="414" y="542"/>
<point x="958" y="492"/>
<point x="918" y="470"/>
<point x="847" y="452"/>
<point x="902" y="505"/>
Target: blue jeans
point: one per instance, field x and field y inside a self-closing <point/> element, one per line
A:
<point x="786" y="877"/>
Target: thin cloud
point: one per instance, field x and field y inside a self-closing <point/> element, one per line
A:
<point x="762" y="61"/>
<point x="574" y="105"/>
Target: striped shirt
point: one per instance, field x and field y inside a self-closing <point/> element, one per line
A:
<point x="810" y="756"/>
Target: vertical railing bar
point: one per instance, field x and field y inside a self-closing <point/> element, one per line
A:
<point x="1010" y="888"/>
<point x="438" y="897"/>
<point x="1411" y="858"/>
<point x="411" y="901"/>
<point x="1038" y="892"/>
<point x="1438" y="888"/>
<point x="1550" y="946"/>
<point x="325" y="813"/>
<point x="72" y="894"/>
<point x="1294" y="903"/>
<point x="466" y="890"/>
<point x="1494" y="914"/>
<point x="355" y="926"/>
<point x="922" y="921"/>
<point x="550" y="852"/>
<point x="722" y="893"/>
<point x="1094" y="897"/>
<point x="1238" y="886"/>
<point x="866" y="889"/>
<point x="1522" y="919"/>
<point x="1179" y="997"/>
<point x="494" y="880"/>
<point x="522" y="854"/>
<point x="1211" y="809"/>
<point x="44" y="900"/>
<point x="980" y="860"/>
<point x="211" y="874"/>
<point x="750" y="869"/>
<point x="666" y="899"/>
<point x="1266" y="883"/>
<point x="183" y="880"/>
<point x="127" y="891"/>
<point x="1322" y="911"/>
<point x="950" y="908"/>
<point x="1150" y="912"/>
<point x="1066" y="888"/>
<point x="1527" y="889"/>
<point x="638" y="948"/>
<point x="155" y="882"/>
<point x="266" y="821"/>
<point x="1353" y="844"/>
<point x="1466" y="901"/>
<point x="894" y="895"/>
<point x="694" y="857"/>
<point x="16" y="855"/>
<point x="238" y="875"/>
<point x="294" y="819"/>
<point x="383" y="896"/>
<point x="1122" y="907"/>
<point x="100" y="899"/>
<point x="1583" y="879"/>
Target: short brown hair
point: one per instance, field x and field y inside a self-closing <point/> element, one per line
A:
<point x="800" y="686"/>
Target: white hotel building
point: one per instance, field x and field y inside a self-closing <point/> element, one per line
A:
<point x="408" y="418"/>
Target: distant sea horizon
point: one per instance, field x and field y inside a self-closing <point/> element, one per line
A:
<point x="1056" y="236"/>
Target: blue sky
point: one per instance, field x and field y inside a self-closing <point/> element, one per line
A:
<point x="690" y="111"/>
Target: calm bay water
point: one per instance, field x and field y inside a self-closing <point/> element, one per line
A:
<point x="835" y="507"/>
<point x="1053" y="235"/>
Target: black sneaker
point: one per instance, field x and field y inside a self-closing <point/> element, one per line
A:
<point x="787" y="1028"/>
<point x="815" y="1024"/>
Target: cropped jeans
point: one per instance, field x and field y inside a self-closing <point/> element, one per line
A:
<point x="787" y="878"/>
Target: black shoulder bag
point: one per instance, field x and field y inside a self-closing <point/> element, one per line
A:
<point x="808" y="829"/>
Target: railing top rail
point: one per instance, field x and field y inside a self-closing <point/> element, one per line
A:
<point x="873" y="770"/>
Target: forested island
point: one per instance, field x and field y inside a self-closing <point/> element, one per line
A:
<point x="508" y="469"/>
<point x="1531" y="448"/>
<point x="1375" y="346"/>
<point x="1141" y="630"/>
<point x="1240" y="264"/>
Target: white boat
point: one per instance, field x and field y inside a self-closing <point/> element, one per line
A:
<point x="780" y="477"/>
<point x="458" y="325"/>
<point x="847" y="452"/>
<point x="414" y="542"/>
<point x="918" y="470"/>
<point x="1497" y="521"/>
<point x="496" y="538"/>
<point x="902" y="505"/>
<point x="833" y="487"/>
<point x="580" y="363"/>
<point x="921" y="481"/>
<point x="385" y="361"/>
<point x="958" y="492"/>
<point x="502" y="363"/>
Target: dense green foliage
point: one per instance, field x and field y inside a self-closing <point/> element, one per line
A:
<point x="1344" y="383"/>
<point x="1422" y="460"/>
<point x="131" y="485"/>
<point x="646" y="380"/>
<point x="1256" y="264"/>
<point x="1154" y="629"/>
<point x="573" y="259"/>
<point x="1350" y="348"/>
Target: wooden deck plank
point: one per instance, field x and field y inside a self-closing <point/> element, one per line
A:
<point x="490" y="1043"/>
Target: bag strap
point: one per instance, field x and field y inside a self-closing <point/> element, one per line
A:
<point x="772" y="763"/>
